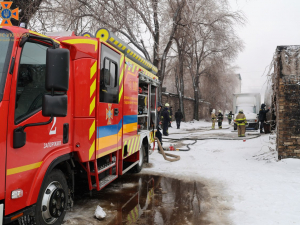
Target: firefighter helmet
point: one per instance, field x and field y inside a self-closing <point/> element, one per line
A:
<point x="167" y="105"/>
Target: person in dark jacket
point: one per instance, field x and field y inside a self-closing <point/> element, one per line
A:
<point x="262" y="116"/>
<point x="166" y="119"/>
<point x="220" y="119"/>
<point x="229" y="117"/>
<point x="178" y="118"/>
<point x="171" y="114"/>
<point x="158" y="123"/>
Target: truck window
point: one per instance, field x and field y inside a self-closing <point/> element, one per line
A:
<point x="31" y="81"/>
<point x="6" y="43"/>
<point x="109" y="75"/>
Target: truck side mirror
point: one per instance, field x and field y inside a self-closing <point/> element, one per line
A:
<point x="55" y="106"/>
<point x="57" y="79"/>
<point x="57" y="69"/>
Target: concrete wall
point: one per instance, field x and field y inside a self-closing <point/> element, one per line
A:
<point x="173" y="100"/>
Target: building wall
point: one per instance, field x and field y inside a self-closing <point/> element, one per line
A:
<point x="173" y="100"/>
<point x="286" y="101"/>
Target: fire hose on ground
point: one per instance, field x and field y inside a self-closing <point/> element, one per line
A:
<point x="174" y="157"/>
<point x="201" y="139"/>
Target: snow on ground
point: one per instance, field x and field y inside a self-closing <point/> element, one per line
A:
<point x="246" y="182"/>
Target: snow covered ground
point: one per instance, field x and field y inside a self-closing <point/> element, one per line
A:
<point x="246" y="183"/>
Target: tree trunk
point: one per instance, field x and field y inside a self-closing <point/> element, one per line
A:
<point x="181" y="89"/>
<point x="156" y="34"/>
<point x="196" y="96"/>
<point x="161" y="73"/>
<point x="196" y="105"/>
<point x="159" y="93"/>
<point x="180" y="95"/>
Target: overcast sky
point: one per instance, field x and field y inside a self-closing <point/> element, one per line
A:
<point x="270" y="23"/>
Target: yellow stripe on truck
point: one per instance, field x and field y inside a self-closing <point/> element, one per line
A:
<point x="24" y="168"/>
<point x="82" y="41"/>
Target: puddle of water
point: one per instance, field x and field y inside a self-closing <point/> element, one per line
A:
<point x="143" y="199"/>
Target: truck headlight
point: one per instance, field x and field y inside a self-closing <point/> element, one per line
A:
<point x="17" y="194"/>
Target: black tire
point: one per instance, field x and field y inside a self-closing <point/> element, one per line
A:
<point x="139" y="166"/>
<point x="257" y="126"/>
<point x="54" y="190"/>
<point x="235" y="126"/>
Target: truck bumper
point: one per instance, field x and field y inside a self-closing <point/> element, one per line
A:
<point x="14" y="216"/>
<point x="252" y="126"/>
<point x="1" y="213"/>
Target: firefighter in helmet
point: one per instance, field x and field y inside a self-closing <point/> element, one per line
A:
<point x="213" y="118"/>
<point x="241" y="123"/>
<point x="220" y="119"/>
<point x="229" y="117"/>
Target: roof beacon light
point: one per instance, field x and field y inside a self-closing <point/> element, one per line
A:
<point x="23" y="25"/>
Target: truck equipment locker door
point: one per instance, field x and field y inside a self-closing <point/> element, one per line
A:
<point x="109" y="113"/>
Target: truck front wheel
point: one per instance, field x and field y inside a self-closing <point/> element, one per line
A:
<point x="140" y="164"/>
<point x="52" y="200"/>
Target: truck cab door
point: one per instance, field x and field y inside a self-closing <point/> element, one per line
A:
<point x="109" y="109"/>
<point x="25" y="107"/>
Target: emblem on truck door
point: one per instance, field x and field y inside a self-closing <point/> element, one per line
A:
<point x="109" y="114"/>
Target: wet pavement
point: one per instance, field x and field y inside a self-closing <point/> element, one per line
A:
<point x="143" y="199"/>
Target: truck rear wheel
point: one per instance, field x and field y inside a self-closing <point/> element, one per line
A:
<point x="139" y="166"/>
<point x="52" y="201"/>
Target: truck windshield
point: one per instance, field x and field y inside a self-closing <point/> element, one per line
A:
<point x="6" y="43"/>
<point x="246" y="109"/>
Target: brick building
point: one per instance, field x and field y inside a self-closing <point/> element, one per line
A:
<point x="286" y="100"/>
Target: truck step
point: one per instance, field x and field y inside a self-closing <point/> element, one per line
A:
<point x="103" y="168"/>
<point x="106" y="180"/>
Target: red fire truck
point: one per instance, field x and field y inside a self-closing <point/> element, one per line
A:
<point x="71" y="107"/>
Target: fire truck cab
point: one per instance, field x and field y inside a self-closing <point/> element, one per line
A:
<point x="71" y="107"/>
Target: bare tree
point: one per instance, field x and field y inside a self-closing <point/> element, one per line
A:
<point x="199" y="33"/>
<point x="213" y="37"/>
<point x="27" y="9"/>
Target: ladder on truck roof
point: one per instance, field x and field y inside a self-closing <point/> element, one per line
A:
<point x="109" y="37"/>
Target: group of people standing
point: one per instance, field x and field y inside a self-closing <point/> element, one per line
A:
<point x="164" y="118"/>
<point x="240" y="119"/>
<point x="215" y="117"/>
